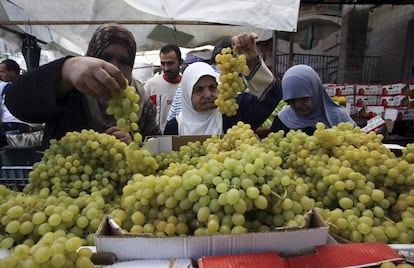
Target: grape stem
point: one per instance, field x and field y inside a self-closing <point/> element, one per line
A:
<point x="276" y="195"/>
<point x="171" y="263"/>
<point x="279" y="197"/>
<point x="332" y="226"/>
<point x="389" y="219"/>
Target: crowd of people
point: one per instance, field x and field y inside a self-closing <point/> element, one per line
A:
<point x="71" y="93"/>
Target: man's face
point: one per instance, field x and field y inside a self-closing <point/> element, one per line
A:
<point x="170" y="65"/>
<point x="5" y="75"/>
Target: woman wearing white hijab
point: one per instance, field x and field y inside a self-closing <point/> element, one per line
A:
<point x="200" y="116"/>
<point x="206" y="119"/>
<point x="309" y="103"/>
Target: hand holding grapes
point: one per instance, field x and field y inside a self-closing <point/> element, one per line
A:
<point x="91" y="76"/>
<point x="120" y="135"/>
<point x="246" y="44"/>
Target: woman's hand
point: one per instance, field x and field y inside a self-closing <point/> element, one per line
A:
<point x="246" y="44"/>
<point x="91" y="76"/>
<point x="122" y="136"/>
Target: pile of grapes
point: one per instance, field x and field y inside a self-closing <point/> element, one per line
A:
<point x="229" y="184"/>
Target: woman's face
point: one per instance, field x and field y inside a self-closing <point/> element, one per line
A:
<point x="301" y="106"/>
<point x="118" y="56"/>
<point x="204" y="94"/>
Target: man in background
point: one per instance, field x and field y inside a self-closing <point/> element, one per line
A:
<point x="162" y="88"/>
<point x="9" y="71"/>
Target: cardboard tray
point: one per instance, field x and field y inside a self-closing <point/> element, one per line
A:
<point x="167" y="143"/>
<point x="126" y="246"/>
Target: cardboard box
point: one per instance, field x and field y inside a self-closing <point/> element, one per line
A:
<point x="373" y="124"/>
<point x="343" y="90"/>
<point x="405" y="114"/>
<point x="367" y="89"/>
<point x="109" y="238"/>
<point x="396" y="89"/>
<point x="368" y="111"/>
<point x="397" y="101"/>
<point x="363" y="100"/>
<point x="330" y="89"/>
<point x="167" y="143"/>
<point x="327" y="256"/>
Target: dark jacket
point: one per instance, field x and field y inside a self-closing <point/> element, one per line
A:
<point x="32" y="98"/>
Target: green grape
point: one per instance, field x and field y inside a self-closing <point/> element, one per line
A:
<point x="21" y="251"/>
<point x="202" y="190"/>
<point x="58" y="260"/>
<point x="84" y="262"/>
<point x="73" y="244"/>
<point x="233" y="196"/>
<point x="261" y="202"/>
<point x="13" y="227"/>
<point x="346" y="203"/>
<point x="388" y="264"/>
<point x="138" y="218"/>
<point x="26" y="227"/>
<point x="54" y="220"/>
<point x="203" y="214"/>
<point x="15" y="212"/>
<point x="42" y="254"/>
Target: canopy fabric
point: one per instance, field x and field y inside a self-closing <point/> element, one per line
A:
<point x="67" y="25"/>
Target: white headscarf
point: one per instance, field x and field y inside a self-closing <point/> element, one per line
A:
<point x="302" y="81"/>
<point x="190" y="121"/>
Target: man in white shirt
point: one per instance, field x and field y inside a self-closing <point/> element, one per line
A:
<point x="162" y="87"/>
<point x="9" y="71"/>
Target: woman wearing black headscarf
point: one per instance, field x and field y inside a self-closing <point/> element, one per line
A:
<point x="70" y="94"/>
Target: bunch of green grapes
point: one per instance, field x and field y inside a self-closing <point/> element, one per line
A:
<point x="231" y="83"/>
<point x="237" y="135"/>
<point x="54" y="249"/>
<point x="139" y="159"/>
<point x="189" y="154"/>
<point x="78" y="180"/>
<point x="82" y="162"/>
<point x="363" y="190"/>
<point x="26" y="218"/>
<point x="124" y="107"/>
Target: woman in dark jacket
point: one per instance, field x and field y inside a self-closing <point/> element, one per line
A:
<point x="70" y="94"/>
